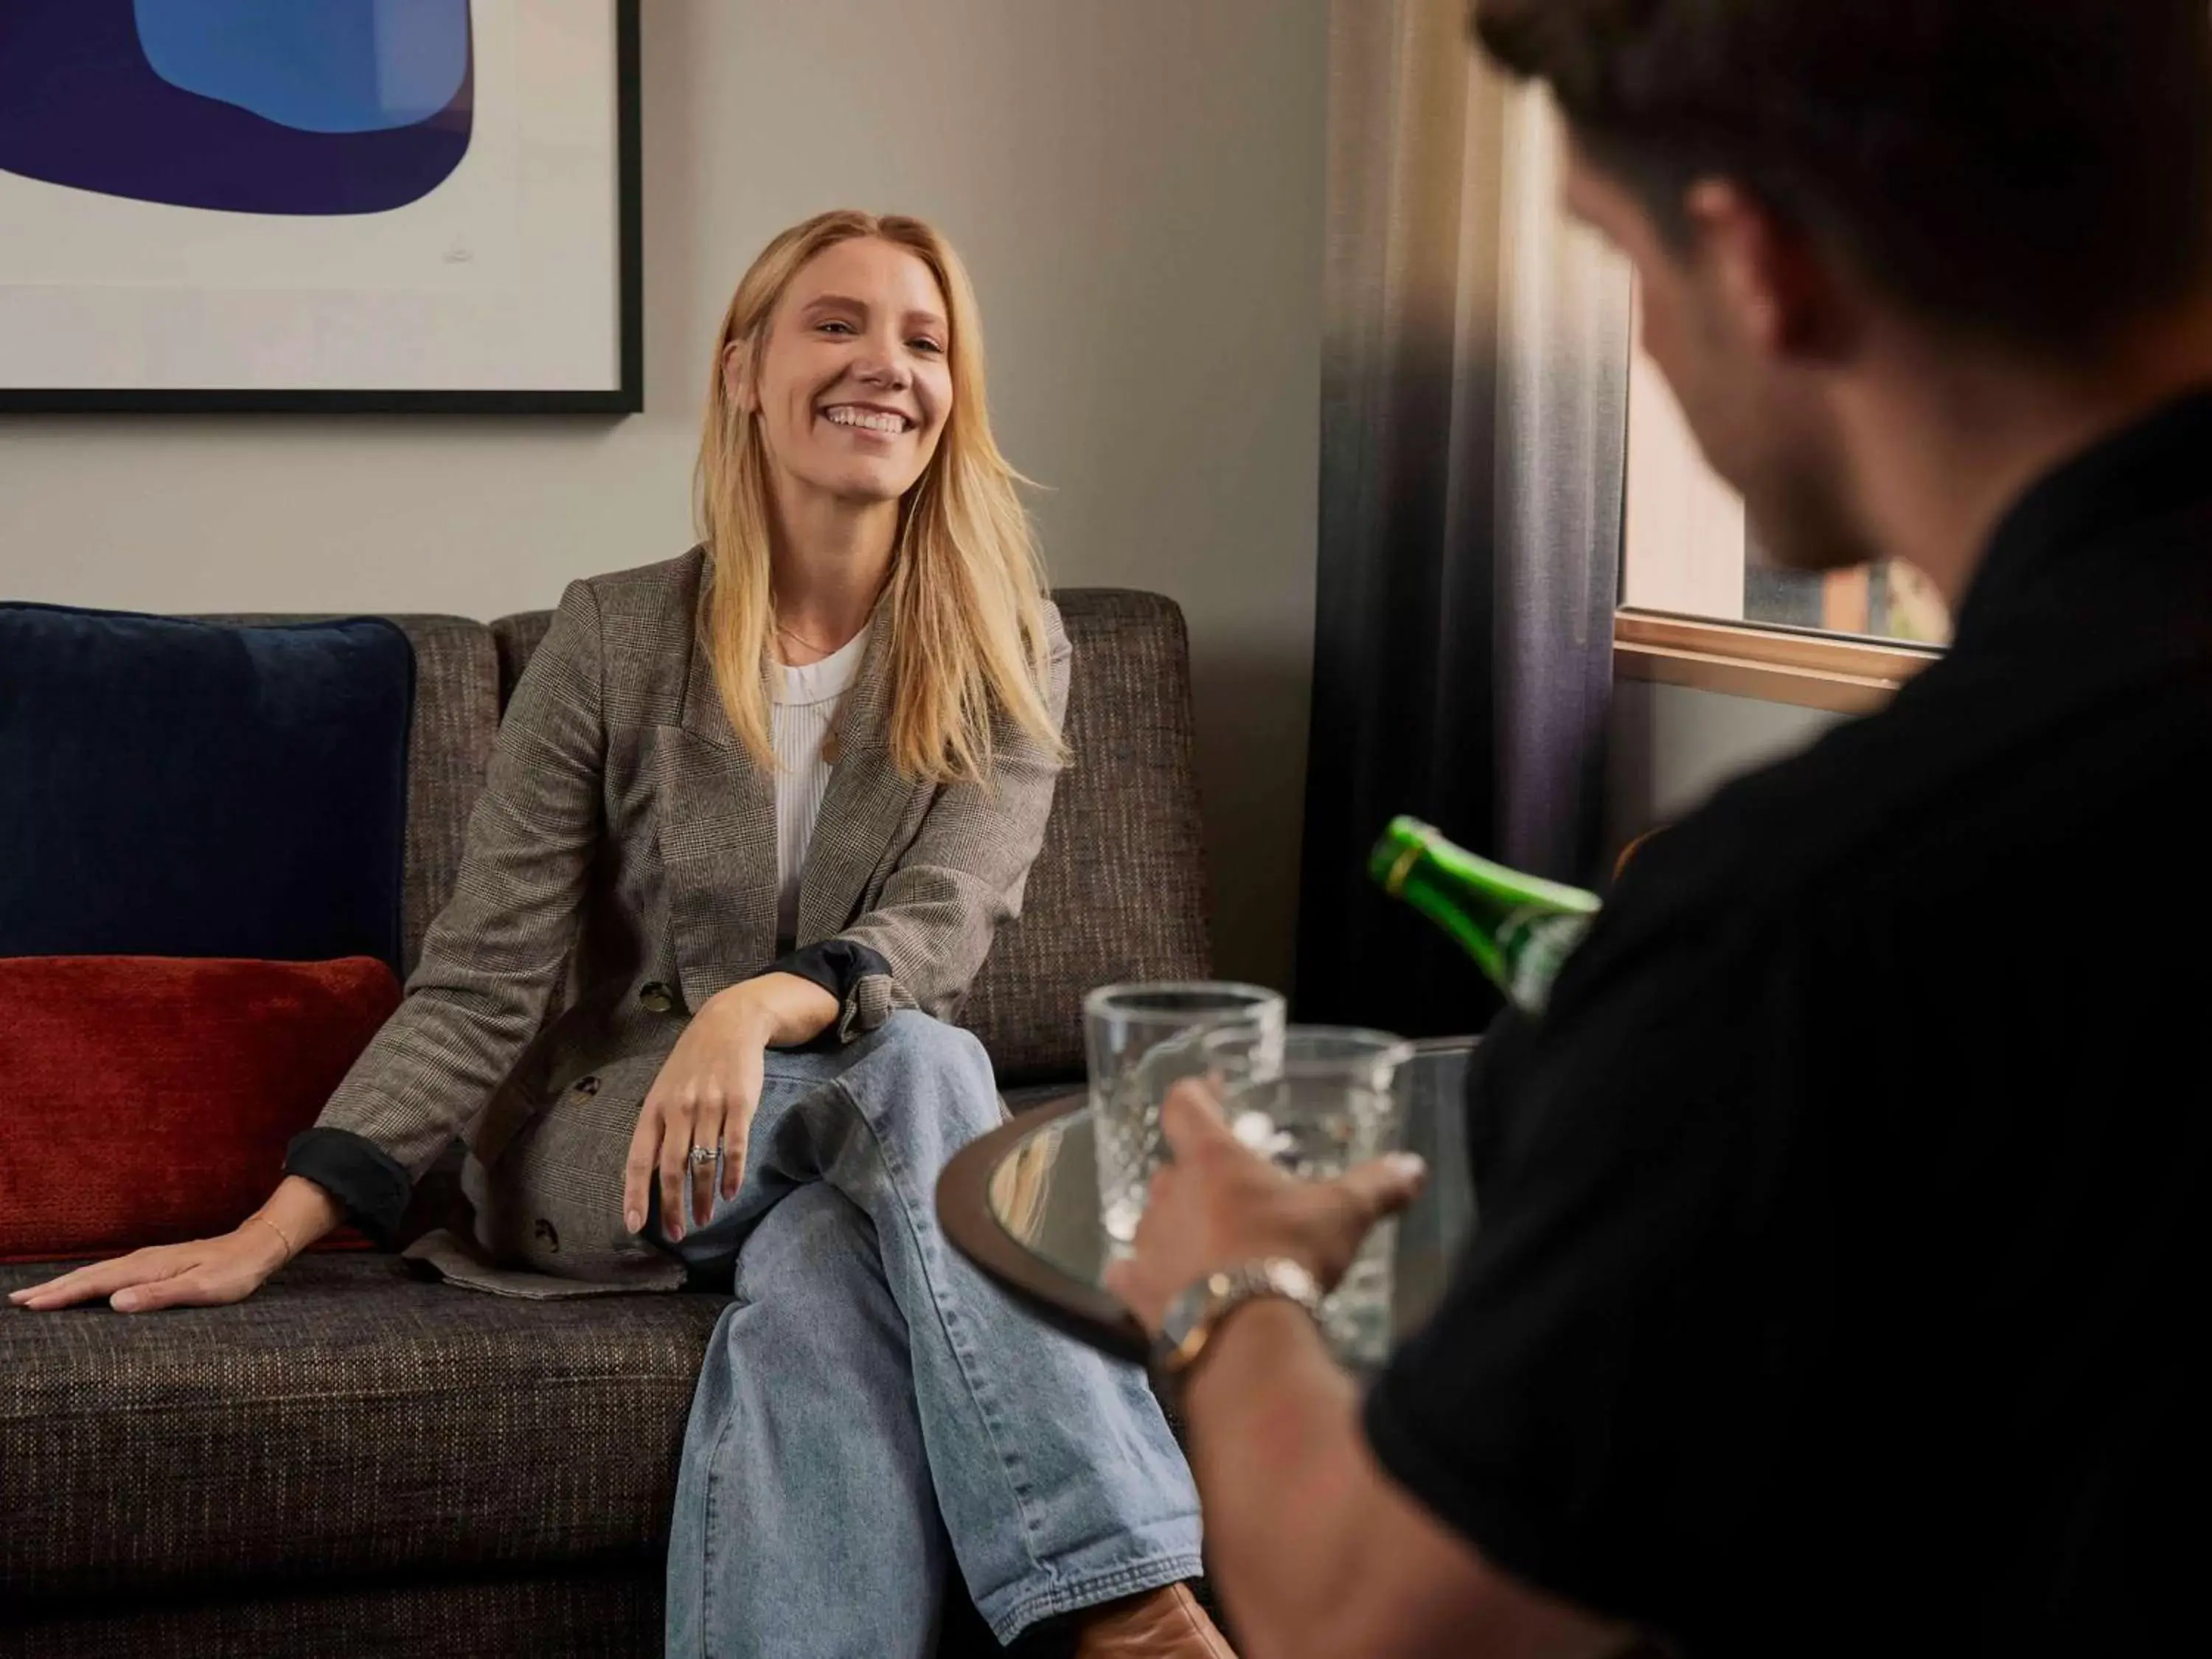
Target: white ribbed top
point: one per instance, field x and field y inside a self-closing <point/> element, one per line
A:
<point x="805" y="704"/>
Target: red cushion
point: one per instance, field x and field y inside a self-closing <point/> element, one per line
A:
<point x="148" y="1099"/>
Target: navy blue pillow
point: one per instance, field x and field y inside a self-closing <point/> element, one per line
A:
<point x="179" y="789"/>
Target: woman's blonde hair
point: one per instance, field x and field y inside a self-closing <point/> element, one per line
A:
<point x="966" y="591"/>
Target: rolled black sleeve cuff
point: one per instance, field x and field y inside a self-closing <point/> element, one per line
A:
<point x="371" y="1185"/>
<point x="837" y="965"/>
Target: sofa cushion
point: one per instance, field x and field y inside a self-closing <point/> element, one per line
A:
<point x="350" y="1422"/>
<point x="183" y="788"/>
<point x="146" y="1100"/>
<point x="1118" y="891"/>
<point x="457" y="703"/>
<point x="516" y="639"/>
<point x="565" y="1614"/>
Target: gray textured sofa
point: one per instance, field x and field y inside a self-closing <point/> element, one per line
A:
<point x="356" y="1462"/>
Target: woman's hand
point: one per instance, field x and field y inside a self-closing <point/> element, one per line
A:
<point x="203" y="1273"/>
<point x="704" y="1096"/>
<point x="199" y="1274"/>
<point x="706" y="1091"/>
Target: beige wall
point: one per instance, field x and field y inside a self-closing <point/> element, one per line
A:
<point x="1670" y="746"/>
<point x="1137" y="185"/>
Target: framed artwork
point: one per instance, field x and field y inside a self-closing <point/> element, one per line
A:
<point x="390" y="205"/>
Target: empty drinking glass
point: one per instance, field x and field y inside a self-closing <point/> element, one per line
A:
<point x="1142" y="1040"/>
<point x="1322" y="1099"/>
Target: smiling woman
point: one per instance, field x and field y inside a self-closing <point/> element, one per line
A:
<point x="756" y="815"/>
<point x="851" y="353"/>
<point x="869" y="364"/>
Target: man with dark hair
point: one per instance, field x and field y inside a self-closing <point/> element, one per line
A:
<point x="1838" y="1269"/>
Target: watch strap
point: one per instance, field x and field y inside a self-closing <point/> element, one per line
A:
<point x="1197" y="1313"/>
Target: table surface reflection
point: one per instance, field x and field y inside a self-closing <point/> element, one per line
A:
<point x="1022" y="1204"/>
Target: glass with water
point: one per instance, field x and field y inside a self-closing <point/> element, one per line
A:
<point x="1142" y="1041"/>
<point x="1322" y="1100"/>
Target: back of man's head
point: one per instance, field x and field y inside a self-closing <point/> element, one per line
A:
<point x="2036" y="171"/>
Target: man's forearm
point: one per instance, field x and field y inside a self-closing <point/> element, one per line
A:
<point x="1315" y="1549"/>
<point x="1275" y="1444"/>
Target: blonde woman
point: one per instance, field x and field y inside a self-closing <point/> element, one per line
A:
<point x="754" y="814"/>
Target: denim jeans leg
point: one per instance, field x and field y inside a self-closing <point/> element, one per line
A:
<point x="805" y="1521"/>
<point x="1059" y="1481"/>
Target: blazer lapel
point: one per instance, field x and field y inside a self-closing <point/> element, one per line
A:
<point x="717" y="843"/>
<point x="867" y="803"/>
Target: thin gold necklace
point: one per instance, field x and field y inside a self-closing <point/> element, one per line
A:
<point x="833" y="742"/>
<point x="790" y="634"/>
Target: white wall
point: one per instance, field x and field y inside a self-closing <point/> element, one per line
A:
<point x="1671" y="746"/>
<point x="1137" y="186"/>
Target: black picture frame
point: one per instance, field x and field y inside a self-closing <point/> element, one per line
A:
<point x="627" y="398"/>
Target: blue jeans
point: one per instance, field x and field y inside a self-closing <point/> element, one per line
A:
<point x="872" y="1409"/>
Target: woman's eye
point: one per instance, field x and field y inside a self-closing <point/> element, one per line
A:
<point x="842" y="328"/>
<point x="926" y="344"/>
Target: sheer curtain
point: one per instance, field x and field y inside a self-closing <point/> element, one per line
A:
<point x="1475" y="370"/>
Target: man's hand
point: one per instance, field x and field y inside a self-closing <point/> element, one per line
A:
<point x="1218" y="1204"/>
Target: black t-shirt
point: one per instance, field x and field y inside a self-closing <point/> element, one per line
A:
<point x="1842" y="1256"/>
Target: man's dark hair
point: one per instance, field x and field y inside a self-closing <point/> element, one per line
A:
<point x="2038" y="170"/>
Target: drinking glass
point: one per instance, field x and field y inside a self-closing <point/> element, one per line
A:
<point x="1142" y="1040"/>
<point x="1320" y="1100"/>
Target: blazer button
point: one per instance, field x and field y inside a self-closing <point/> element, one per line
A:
<point x="585" y="1086"/>
<point x="656" y="998"/>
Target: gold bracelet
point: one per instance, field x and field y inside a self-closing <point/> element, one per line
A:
<point x="290" y="1250"/>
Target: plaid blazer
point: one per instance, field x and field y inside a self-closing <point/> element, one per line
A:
<point x="620" y="870"/>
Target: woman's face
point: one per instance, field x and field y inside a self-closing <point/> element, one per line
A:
<point x="853" y="384"/>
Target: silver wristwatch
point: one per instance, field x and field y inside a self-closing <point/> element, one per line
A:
<point x="1193" y="1316"/>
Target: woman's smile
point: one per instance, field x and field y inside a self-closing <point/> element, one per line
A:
<point x="869" y="421"/>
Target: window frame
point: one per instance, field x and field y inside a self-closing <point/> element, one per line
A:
<point x="1770" y="662"/>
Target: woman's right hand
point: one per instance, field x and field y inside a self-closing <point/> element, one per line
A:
<point x="199" y="1274"/>
<point x="203" y="1272"/>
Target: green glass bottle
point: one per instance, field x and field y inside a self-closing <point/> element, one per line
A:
<point x="1519" y="929"/>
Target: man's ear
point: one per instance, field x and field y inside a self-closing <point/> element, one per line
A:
<point x="738" y="377"/>
<point x="1772" y="279"/>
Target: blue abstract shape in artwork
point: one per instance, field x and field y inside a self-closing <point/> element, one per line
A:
<point x="328" y="66"/>
<point x="252" y="108"/>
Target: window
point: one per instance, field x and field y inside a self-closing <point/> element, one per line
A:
<point x="1694" y="583"/>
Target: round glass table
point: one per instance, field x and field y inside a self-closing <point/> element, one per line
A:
<point x="1021" y="1204"/>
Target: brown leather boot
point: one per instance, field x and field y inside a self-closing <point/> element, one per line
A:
<point x="1161" y="1624"/>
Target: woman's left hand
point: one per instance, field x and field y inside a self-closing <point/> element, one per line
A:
<point x="706" y="1094"/>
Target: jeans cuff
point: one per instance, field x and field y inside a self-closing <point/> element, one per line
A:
<point x="1151" y="1558"/>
